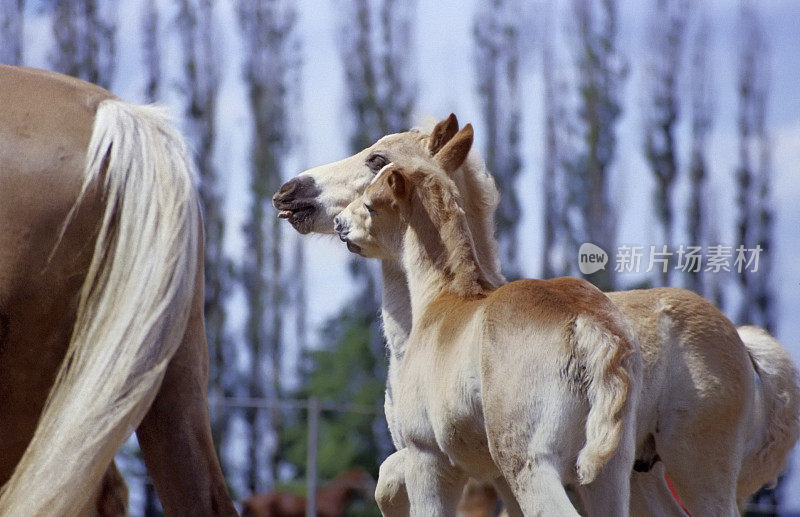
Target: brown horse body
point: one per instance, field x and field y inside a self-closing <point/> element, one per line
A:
<point x="46" y="122"/>
<point x="332" y="500"/>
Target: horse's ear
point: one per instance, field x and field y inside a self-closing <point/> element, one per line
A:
<point x="398" y="184"/>
<point x="453" y="154"/>
<point x="442" y="133"/>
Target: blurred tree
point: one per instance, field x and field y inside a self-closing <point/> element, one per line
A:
<point x="496" y="30"/>
<point x="665" y="39"/>
<point x="151" y="50"/>
<point x="84" y="32"/>
<point x="271" y="53"/>
<point x="754" y="174"/>
<point x="198" y="34"/>
<point x="753" y="178"/>
<point x="601" y="72"/>
<point x="12" y="16"/>
<point x="556" y="232"/>
<point x="700" y="223"/>
<point x="375" y="49"/>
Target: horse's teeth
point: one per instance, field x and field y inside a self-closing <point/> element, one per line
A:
<point x="284" y="214"/>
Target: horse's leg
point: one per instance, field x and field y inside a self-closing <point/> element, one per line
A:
<point x="704" y="467"/>
<point x="112" y="500"/>
<point x="609" y="493"/>
<point x="434" y="484"/>
<point x="391" y="493"/>
<point x="507" y="496"/>
<point x="175" y="435"/>
<point x="528" y="437"/>
<point x="650" y="494"/>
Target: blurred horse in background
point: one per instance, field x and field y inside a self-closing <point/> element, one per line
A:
<point x="332" y="500"/>
<point x="101" y="303"/>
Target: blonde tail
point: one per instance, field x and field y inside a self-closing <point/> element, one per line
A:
<point x="133" y="310"/>
<point x="781" y="408"/>
<point x="613" y="373"/>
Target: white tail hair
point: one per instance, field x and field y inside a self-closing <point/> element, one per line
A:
<point x="133" y="310"/>
<point x="613" y="381"/>
<point x="781" y="406"/>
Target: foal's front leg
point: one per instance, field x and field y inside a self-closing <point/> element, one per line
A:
<point x="434" y="484"/>
<point x="391" y="493"/>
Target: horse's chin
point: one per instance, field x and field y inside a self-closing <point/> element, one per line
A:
<point x="354" y="248"/>
<point x="301" y="219"/>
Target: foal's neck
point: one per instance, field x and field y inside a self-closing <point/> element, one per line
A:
<point x="439" y="256"/>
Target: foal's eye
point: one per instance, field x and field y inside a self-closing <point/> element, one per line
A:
<point x="369" y="208"/>
<point x="376" y="162"/>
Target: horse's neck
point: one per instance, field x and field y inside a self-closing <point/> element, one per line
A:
<point x="395" y="308"/>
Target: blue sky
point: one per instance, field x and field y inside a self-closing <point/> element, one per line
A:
<point x="444" y="57"/>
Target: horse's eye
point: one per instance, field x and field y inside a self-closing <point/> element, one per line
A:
<point x="376" y="162"/>
<point x="369" y="208"/>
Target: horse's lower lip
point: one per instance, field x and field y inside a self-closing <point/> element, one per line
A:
<point x="296" y="214"/>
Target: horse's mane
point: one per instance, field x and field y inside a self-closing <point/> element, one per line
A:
<point x="443" y="209"/>
<point x="480" y="198"/>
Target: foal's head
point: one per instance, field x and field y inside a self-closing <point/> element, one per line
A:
<point x="419" y="197"/>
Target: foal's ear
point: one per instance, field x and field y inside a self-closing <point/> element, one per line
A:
<point x="398" y="184"/>
<point x="453" y="154"/>
<point x="442" y="133"/>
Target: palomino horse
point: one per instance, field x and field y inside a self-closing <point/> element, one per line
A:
<point x="720" y="434"/>
<point x="536" y="381"/>
<point x="101" y="297"/>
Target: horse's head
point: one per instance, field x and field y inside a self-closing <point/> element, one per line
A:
<point x="418" y="209"/>
<point x="313" y="198"/>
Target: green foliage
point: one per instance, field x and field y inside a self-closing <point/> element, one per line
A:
<point x="346" y="376"/>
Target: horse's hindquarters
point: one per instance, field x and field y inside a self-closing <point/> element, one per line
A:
<point x="45" y="125"/>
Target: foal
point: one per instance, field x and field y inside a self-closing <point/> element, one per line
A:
<point x="536" y="381"/>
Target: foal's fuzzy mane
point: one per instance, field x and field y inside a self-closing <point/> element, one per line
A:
<point x="442" y="205"/>
<point x="480" y="198"/>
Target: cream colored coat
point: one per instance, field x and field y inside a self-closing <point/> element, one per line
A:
<point x="535" y="381"/>
<point x="675" y="328"/>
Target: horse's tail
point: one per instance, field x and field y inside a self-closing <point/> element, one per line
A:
<point x="132" y="313"/>
<point x="612" y="380"/>
<point x="780" y="407"/>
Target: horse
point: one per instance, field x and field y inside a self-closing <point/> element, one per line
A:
<point x="710" y="390"/>
<point x="101" y="301"/>
<point x="332" y="500"/>
<point x="536" y="381"/>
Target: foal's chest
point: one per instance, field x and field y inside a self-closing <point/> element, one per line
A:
<point x="440" y="405"/>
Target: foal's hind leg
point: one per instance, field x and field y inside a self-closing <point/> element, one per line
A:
<point x="609" y="493"/>
<point x="538" y="489"/>
<point x="704" y="467"/>
<point x="651" y="496"/>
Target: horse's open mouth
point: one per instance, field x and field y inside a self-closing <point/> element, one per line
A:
<point x="353" y="248"/>
<point x="298" y="216"/>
